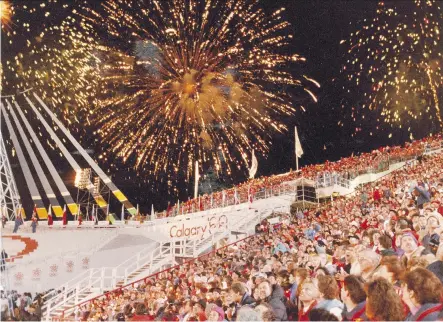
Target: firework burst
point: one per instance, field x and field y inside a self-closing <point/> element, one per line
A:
<point x="396" y="63"/>
<point x="6" y="11"/>
<point x="166" y="83"/>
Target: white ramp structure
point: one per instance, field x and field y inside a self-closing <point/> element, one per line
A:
<point x="30" y="183"/>
<point x="58" y="210"/>
<point x="106" y="180"/>
<point x="37" y="167"/>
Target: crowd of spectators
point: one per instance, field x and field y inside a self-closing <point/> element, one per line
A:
<point x="20" y="306"/>
<point x="347" y="168"/>
<point x="376" y="255"/>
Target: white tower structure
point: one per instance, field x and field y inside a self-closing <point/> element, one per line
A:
<point x="9" y="197"/>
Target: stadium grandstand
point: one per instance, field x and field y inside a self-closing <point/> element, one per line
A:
<point x="356" y="239"/>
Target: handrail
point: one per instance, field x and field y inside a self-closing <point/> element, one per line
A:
<point x="144" y="279"/>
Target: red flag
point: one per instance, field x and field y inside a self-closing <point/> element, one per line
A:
<point x="168" y="210"/>
<point x="50" y="219"/>
<point x="65" y="216"/>
<point x="35" y="210"/>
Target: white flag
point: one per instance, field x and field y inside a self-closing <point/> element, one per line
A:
<point x="298" y="148"/>
<point x="235" y="196"/>
<point x="152" y="212"/>
<point x="254" y="166"/>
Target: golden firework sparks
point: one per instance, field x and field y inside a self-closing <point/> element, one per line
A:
<point x="166" y="83"/>
<point x="5" y="13"/>
<point x="396" y="62"/>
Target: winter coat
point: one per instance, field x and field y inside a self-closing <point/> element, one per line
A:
<point x="277" y="304"/>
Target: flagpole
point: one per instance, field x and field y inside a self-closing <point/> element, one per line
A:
<point x="295" y="143"/>
<point x="196" y="180"/>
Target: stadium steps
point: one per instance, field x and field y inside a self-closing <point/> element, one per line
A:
<point x="68" y="305"/>
<point x="147" y="269"/>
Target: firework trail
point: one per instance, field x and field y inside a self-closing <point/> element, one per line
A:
<point x="165" y="83"/>
<point x="395" y="62"/>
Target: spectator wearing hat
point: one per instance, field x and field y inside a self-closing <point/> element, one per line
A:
<point x="368" y="260"/>
<point x="353" y="296"/>
<point x="422" y="293"/>
<point x="410" y="245"/>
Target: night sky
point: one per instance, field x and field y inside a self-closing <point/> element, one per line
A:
<point x="318" y="26"/>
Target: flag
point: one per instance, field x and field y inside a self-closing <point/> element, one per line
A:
<point x="235" y="196"/>
<point x="298" y="148"/>
<point x="254" y="166"/>
<point x="50" y="219"/>
<point x="34" y="212"/>
<point x="152" y="212"/>
<point x="65" y="216"/>
<point x="123" y="213"/>
<point x="168" y="210"/>
<point x="197" y="177"/>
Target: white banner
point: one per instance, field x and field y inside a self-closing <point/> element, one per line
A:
<point x="197" y="228"/>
